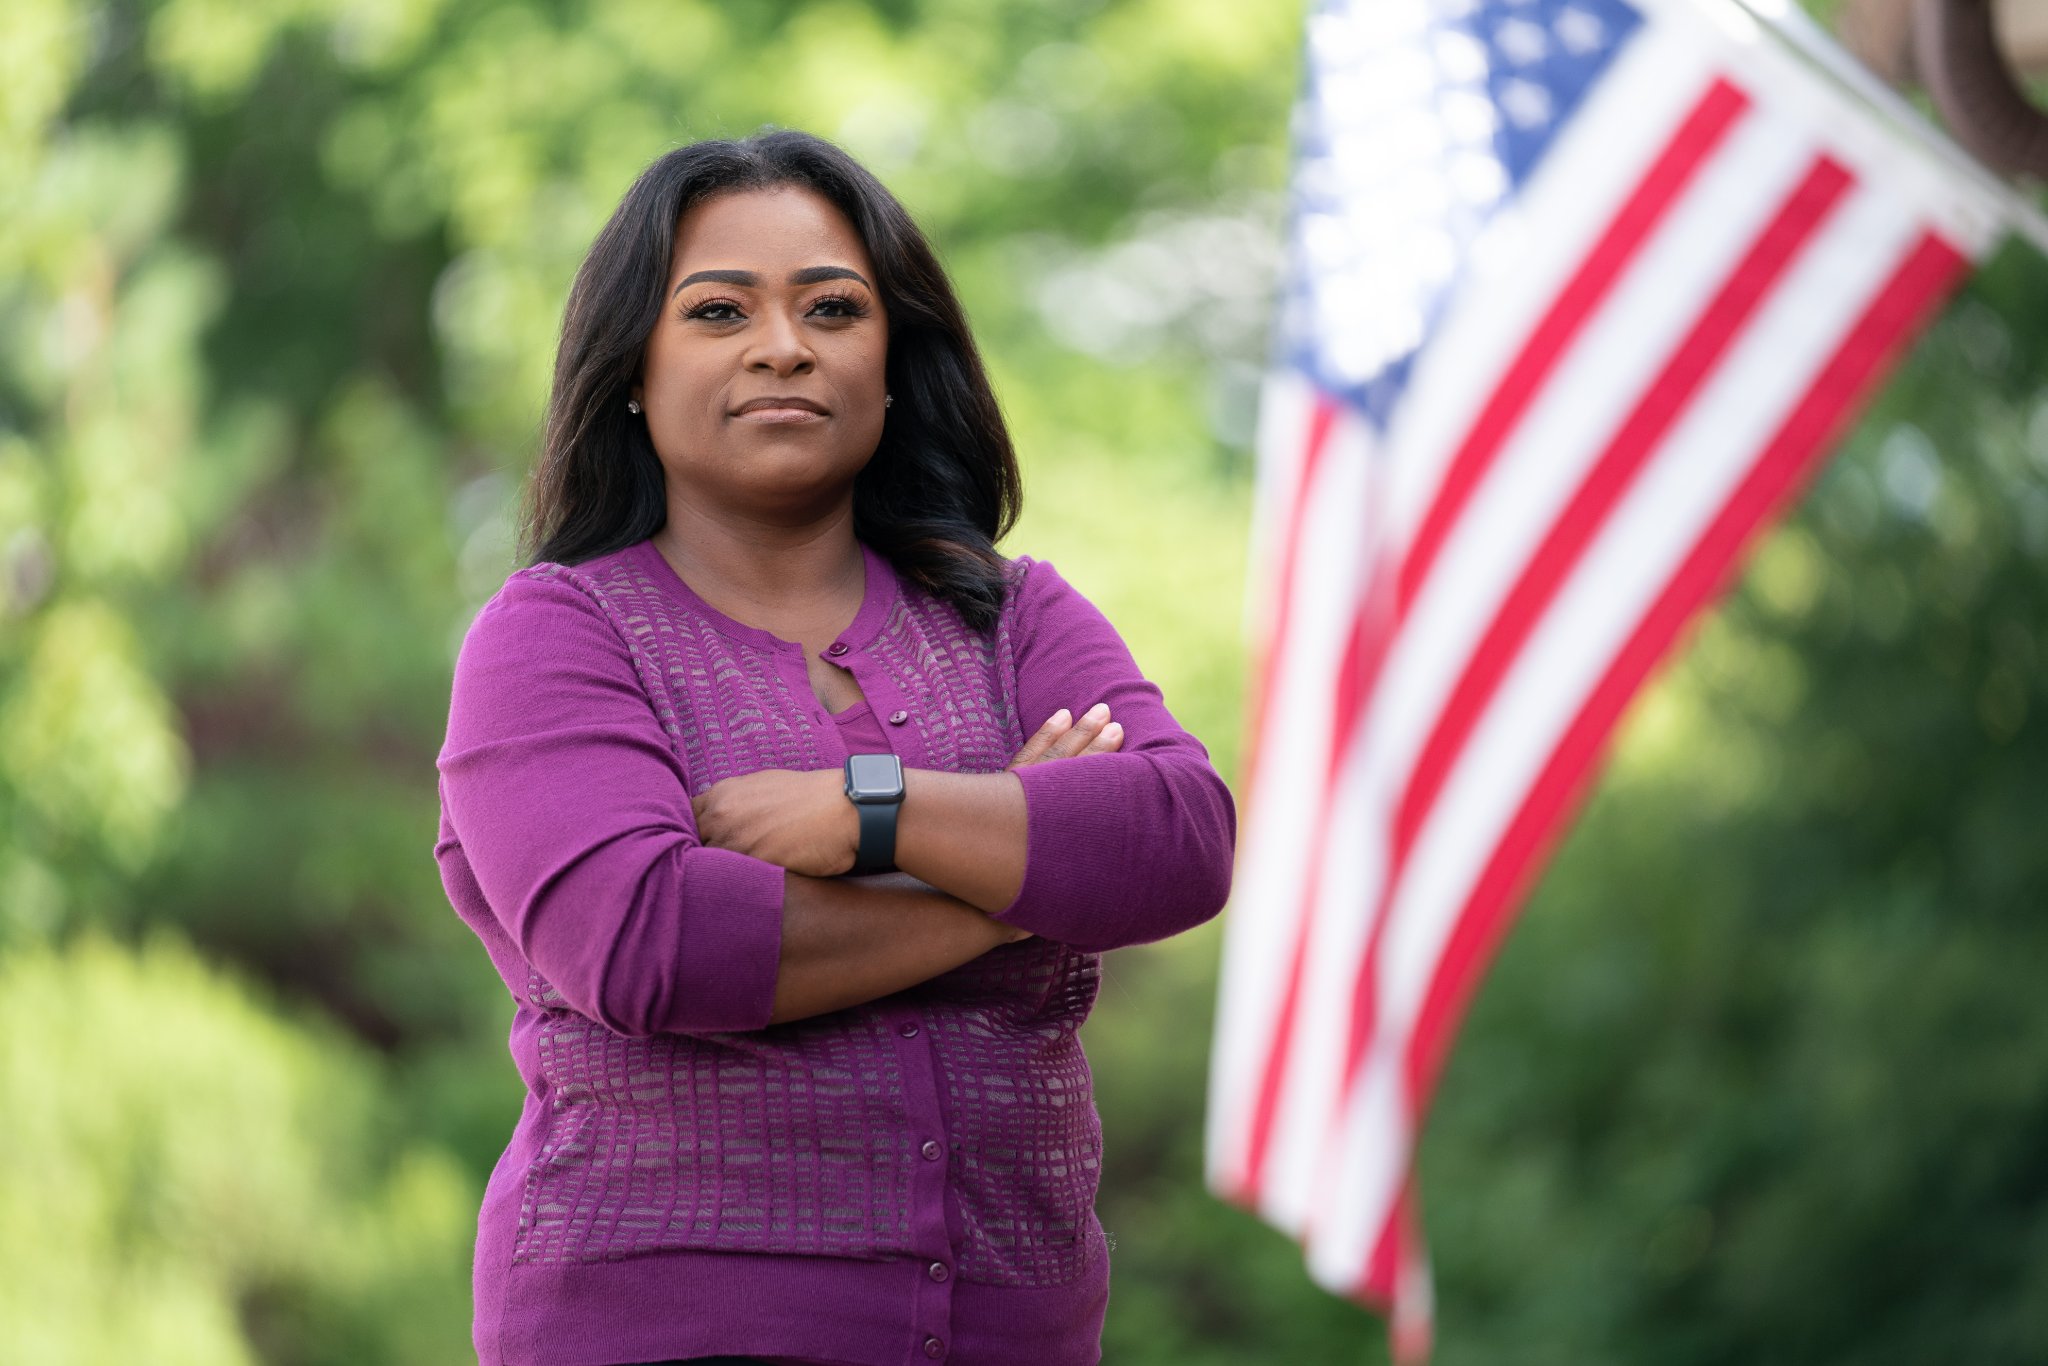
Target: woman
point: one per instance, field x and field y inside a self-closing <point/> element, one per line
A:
<point x="777" y="1112"/>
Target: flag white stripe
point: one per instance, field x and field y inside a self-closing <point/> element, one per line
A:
<point x="1281" y="813"/>
<point x="1287" y="404"/>
<point x="1615" y="357"/>
<point x="1625" y="568"/>
<point x="1961" y="201"/>
<point x="1270" y="874"/>
<point x="1626" y="565"/>
<point x="1586" y="177"/>
<point x="1661" y="84"/>
<point x="1708" y="131"/>
<point x="1353" y="860"/>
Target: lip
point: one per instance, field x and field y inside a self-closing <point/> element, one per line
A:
<point x="780" y="408"/>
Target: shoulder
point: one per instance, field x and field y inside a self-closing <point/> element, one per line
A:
<point x="546" y="644"/>
<point x="543" y="597"/>
<point x="1037" y="595"/>
<point x="1026" y="580"/>
<point x="549" y="615"/>
<point x="532" y="602"/>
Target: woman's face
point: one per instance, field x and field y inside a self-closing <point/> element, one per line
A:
<point x="763" y="380"/>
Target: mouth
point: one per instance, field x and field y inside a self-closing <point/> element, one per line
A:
<point x="780" y="408"/>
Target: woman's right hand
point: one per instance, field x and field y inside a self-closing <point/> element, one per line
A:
<point x="1063" y="737"/>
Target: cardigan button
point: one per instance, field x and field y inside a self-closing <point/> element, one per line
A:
<point x="937" y="1271"/>
<point x="897" y="718"/>
<point x="908" y="1029"/>
<point x="837" y="647"/>
<point x="934" y="1349"/>
<point x="931" y="1150"/>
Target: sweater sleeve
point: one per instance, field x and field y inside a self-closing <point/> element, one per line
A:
<point x="1120" y="848"/>
<point x="574" y="815"/>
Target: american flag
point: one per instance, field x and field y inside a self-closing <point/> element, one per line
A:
<point x="1580" y="291"/>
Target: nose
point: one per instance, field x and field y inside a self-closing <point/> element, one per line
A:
<point x="778" y="346"/>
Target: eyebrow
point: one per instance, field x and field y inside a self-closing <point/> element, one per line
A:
<point x="809" y="275"/>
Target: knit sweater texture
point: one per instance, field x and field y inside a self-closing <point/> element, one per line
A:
<point x="905" y="1181"/>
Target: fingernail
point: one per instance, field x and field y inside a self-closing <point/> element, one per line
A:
<point x="1098" y="711"/>
<point x="1112" y="729"/>
<point x="1062" y="717"/>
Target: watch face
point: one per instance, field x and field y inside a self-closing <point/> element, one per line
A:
<point x="874" y="776"/>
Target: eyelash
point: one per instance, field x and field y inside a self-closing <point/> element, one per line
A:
<point x="854" y="307"/>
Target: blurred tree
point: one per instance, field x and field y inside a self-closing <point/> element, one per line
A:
<point x="198" y="1181"/>
<point x="278" y="286"/>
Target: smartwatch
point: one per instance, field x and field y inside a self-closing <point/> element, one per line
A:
<point x="874" y="784"/>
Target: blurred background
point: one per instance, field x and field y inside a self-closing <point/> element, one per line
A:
<point x="1761" y="1077"/>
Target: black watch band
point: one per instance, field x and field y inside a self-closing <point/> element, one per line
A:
<point x="874" y="784"/>
<point x="877" y="837"/>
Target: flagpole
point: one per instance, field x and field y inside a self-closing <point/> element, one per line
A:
<point x="1799" y="30"/>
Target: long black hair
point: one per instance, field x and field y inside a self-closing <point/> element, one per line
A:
<point x="942" y="486"/>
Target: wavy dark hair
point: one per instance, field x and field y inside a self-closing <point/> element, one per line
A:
<point x="942" y="486"/>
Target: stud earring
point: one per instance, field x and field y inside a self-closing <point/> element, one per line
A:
<point x="888" y="399"/>
<point x="632" y="405"/>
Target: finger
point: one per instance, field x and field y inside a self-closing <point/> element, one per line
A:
<point x="1083" y="733"/>
<point x="1034" y="749"/>
<point x="1107" y="741"/>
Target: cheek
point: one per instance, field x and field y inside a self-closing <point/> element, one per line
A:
<point x="683" y="384"/>
<point x="863" y="364"/>
<point x="878" y="353"/>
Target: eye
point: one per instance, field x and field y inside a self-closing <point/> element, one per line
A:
<point x="713" y="310"/>
<point x="838" y="306"/>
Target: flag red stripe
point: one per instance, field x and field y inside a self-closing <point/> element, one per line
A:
<point x="1267" y="1106"/>
<point x="1632" y="445"/>
<point x="1867" y="351"/>
<point x="1701" y="131"/>
<point x="1321" y="419"/>
<point x="1610" y="477"/>
<point x="1378" y="1048"/>
<point x="1364" y="650"/>
<point x="1926" y="276"/>
<point x="1281" y="568"/>
<point x="1698" y="135"/>
<point x="1383" y="1265"/>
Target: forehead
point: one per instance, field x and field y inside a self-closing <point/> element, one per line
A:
<point x="771" y="232"/>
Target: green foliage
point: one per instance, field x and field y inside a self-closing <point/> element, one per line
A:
<point x="278" y="292"/>
<point x="199" y="1180"/>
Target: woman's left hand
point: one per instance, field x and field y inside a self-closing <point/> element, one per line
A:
<point x="801" y="821"/>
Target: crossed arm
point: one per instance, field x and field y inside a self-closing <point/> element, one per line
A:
<point x="651" y="913"/>
<point x="960" y="845"/>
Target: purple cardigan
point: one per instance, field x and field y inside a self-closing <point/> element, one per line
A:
<point x="900" y="1182"/>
